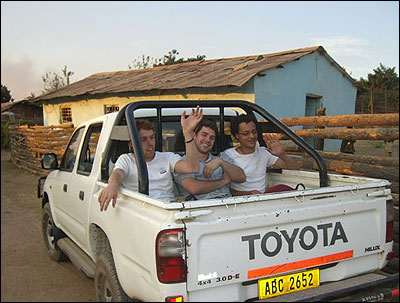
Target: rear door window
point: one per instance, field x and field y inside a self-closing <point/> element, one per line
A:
<point x="88" y="152"/>
<point x="68" y="161"/>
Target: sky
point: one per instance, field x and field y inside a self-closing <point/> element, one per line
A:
<point x="38" y="37"/>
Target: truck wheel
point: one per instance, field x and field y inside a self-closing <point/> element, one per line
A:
<point x="108" y="288"/>
<point x="48" y="235"/>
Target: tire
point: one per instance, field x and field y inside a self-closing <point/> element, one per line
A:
<point x="48" y="231"/>
<point x="108" y="288"/>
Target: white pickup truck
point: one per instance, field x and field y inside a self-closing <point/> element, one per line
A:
<point x="324" y="239"/>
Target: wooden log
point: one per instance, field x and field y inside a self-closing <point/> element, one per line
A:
<point x="344" y="120"/>
<point x="357" y="169"/>
<point x="374" y="160"/>
<point x="47" y="142"/>
<point x="388" y="134"/>
<point x="57" y="151"/>
<point x="65" y="125"/>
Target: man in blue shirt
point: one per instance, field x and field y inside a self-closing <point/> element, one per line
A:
<point x="215" y="173"/>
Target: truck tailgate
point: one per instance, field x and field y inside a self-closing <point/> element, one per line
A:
<point x="235" y="243"/>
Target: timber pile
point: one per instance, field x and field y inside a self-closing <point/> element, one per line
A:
<point x="30" y="143"/>
<point x="360" y="165"/>
<point x="359" y="127"/>
<point x="362" y="127"/>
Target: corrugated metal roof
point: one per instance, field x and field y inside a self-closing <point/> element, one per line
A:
<point x="199" y="74"/>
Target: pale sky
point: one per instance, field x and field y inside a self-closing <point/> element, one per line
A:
<point x="102" y="36"/>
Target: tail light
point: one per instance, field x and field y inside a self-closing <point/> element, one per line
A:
<point x="389" y="220"/>
<point x="174" y="299"/>
<point x="170" y="256"/>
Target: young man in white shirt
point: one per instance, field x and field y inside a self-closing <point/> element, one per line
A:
<point x="161" y="165"/>
<point x="215" y="173"/>
<point x="254" y="159"/>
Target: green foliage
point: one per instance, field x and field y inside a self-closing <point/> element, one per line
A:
<point x="53" y="81"/>
<point x="383" y="82"/>
<point x="5" y="94"/>
<point x="168" y="59"/>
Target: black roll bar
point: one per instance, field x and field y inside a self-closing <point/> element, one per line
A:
<point x="128" y="112"/>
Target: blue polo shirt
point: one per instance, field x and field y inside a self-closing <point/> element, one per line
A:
<point x="221" y="192"/>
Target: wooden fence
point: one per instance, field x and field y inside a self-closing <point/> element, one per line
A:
<point x="29" y="143"/>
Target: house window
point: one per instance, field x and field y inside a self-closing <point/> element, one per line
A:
<point x="66" y="115"/>
<point x="313" y="103"/>
<point x="110" y="108"/>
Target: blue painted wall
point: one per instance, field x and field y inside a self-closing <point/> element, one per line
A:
<point x="282" y="91"/>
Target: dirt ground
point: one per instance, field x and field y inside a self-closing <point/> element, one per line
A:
<point x="27" y="273"/>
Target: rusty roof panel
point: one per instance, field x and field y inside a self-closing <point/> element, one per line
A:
<point x="206" y="73"/>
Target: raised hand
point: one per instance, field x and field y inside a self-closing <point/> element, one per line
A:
<point x="189" y="124"/>
<point x="273" y="145"/>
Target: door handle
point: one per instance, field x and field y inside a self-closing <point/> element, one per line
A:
<point x="81" y="195"/>
<point x="65" y="188"/>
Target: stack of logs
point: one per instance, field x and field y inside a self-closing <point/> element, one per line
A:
<point x="358" y="127"/>
<point x="29" y="143"/>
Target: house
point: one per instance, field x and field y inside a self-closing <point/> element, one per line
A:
<point x="24" y="110"/>
<point x="287" y="84"/>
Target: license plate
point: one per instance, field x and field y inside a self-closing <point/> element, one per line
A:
<point x="281" y="285"/>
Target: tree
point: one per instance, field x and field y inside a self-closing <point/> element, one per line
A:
<point x="168" y="59"/>
<point x="5" y="94"/>
<point x="386" y="79"/>
<point x="383" y="80"/>
<point x="53" y="81"/>
<point x="31" y="96"/>
<point x="66" y="74"/>
<point x="142" y="63"/>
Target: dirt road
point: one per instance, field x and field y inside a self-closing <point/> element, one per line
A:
<point x="27" y="273"/>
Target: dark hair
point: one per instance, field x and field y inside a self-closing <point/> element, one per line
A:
<point x="206" y="123"/>
<point x="240" y="119"/>
<point x="144" y="124"/>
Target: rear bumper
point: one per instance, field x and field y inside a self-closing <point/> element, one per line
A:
<point x="358" y="288"/>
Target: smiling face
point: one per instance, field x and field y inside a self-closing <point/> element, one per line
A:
<point x="247" y="136"/>
<point x="148" y="142"/>
<point x="204" y="140"/>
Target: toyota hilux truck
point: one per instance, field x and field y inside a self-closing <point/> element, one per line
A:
<point x="326" y="238"/>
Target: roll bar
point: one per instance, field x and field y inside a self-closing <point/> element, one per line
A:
<point x="127" y="112"/>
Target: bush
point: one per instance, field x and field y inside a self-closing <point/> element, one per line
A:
<point x="5" y="135"/>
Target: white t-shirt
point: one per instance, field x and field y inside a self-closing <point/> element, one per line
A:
<point x="254" y="166"/>
<point x="160" y="169"/>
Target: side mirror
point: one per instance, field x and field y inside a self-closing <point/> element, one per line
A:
<point x="49" y="161"/>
